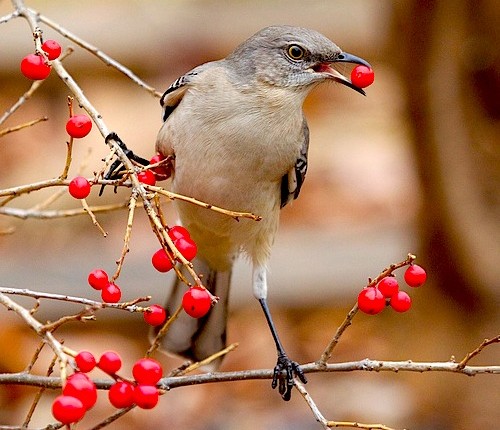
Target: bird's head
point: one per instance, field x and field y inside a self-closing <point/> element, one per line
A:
<point x="292" y="57"/>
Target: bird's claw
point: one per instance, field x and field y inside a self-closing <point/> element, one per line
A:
<point x="115" y="171"/>
<point x="283" y="375"/>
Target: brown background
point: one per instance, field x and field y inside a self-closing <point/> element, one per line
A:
<point x="411" y="167"/>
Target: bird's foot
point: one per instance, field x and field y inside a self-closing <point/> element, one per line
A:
<point x="283" y="375"/>
<point x="116" y="169"/>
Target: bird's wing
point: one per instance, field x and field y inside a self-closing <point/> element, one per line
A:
<point x="291" y="183"/>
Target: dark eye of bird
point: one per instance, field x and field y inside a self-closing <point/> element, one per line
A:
<point x="295" y="52"/>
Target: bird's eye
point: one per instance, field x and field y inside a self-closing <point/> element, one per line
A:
<point x="295" y="52"/>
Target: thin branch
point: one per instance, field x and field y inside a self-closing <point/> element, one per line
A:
<point x="161" y="333"/>
<point x="106" y="59"/>
<point x="21" y="126"/>
<point x="128" y="306"/>
<point x="59" y="213"/>
<point x="128" y="232"/>
<point x="366" y="365"/>
<point x="87" y="209"/>
<point x="478" y="350"/>
<point x="173" y="196"/>
<point x="38" y="328"/>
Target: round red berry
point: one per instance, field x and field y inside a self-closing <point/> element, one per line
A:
<point x="147" y="177"/>
<point x="98" y="279"/>
<point x="187" y="247"/>
<point x="110" y="362"/>
<point x="400" y="301"/>
<point x="79" y="126"/>
<point x="177" y="232"/>
<point x="79" y="187"/>
<point x="161" y="172"/>
<point x="80" y="386"/>
<point x="52" y="49"/>
<point x="68" y="409"/>
<point x="415" y="276"/>
<point x="161" y="261"/>
<point x="155" y="316"/>
<point x="33" y="67"/>
<point x="147" y="371"/>
<point x="146" y="396"/>
<point x="196" y="302"/>
<point x="121" y="394"/>
<point x="111" y="293"/>
<point x="388" y="286"/>
<point x="371" y="301"/>
<point x="362" y="76"/>
<point x="85" y="361"/>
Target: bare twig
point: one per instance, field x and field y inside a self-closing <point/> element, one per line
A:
<point x="106" y="59"/>
<point x="128" y="306"/>
<point x="128" y="232"/>
<point x="21" y="126"/>
<point x="472" y="354"/>
<point x="87" y="209"/>
<point x="163" y="330"/>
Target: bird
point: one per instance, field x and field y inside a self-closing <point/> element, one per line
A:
<point x="238" y="139"/>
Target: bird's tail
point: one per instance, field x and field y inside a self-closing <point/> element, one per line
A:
<point x="198" y="338"/>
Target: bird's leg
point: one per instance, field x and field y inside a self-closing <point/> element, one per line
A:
<point x="285" y="369"/>
<point x="115" y="170"/>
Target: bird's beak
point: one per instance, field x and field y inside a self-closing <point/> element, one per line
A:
<point x="334" y="74"/>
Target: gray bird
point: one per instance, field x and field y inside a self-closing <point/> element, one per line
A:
<point x="239" y="139"/>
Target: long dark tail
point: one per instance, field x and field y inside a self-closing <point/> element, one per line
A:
<point x="197" y="339"/>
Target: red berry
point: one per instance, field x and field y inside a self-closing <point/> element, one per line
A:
<point x="196" y="302"/>
<point x="111" y="293"/>
<point x="187" y="247"/>
<point x="33" y="67"/>
<point x="178" y="231"/>
<point x="147" y="371"/>
<point x="156" y="316"/>
<point x="371" y="301"/>
<point x="388" y="286"/>
<point x="98" y="279"/>
<point x="145" y="396"/>
<point x="52" y="49"/>
<point x="85" y="361"/>
<point x="79" y="187"/>
<point x="161" y="261"/>
<point x="362" y="76"/>
<point x="80" y="386"/>
<point x="79" y="126"/>
<point x="161" y="172"/>
<point x="110" y="362"/>
<point x="400" y="301"/>
<point x="147" y="177"/>
<point x="67" y="409"/>
<point x="415" y="276"/>
<point x="121" y="394"/>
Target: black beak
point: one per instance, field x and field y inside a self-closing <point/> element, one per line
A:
<point x="345" y="57"/>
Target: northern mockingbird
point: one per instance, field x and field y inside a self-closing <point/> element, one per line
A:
<point x="239" y="139"/>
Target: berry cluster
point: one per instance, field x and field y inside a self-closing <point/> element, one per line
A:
<point x="158" y="173"/>
<point x="79" y="393"/>
<point x="34" y="67"/>
<point x="196" y="301"/>
<point x="110" y="292"/>
<point x="163" y="261"/>
<point x="373" y="300"/>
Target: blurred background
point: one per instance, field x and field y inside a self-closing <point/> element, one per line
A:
<point x="413" y="167"/>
